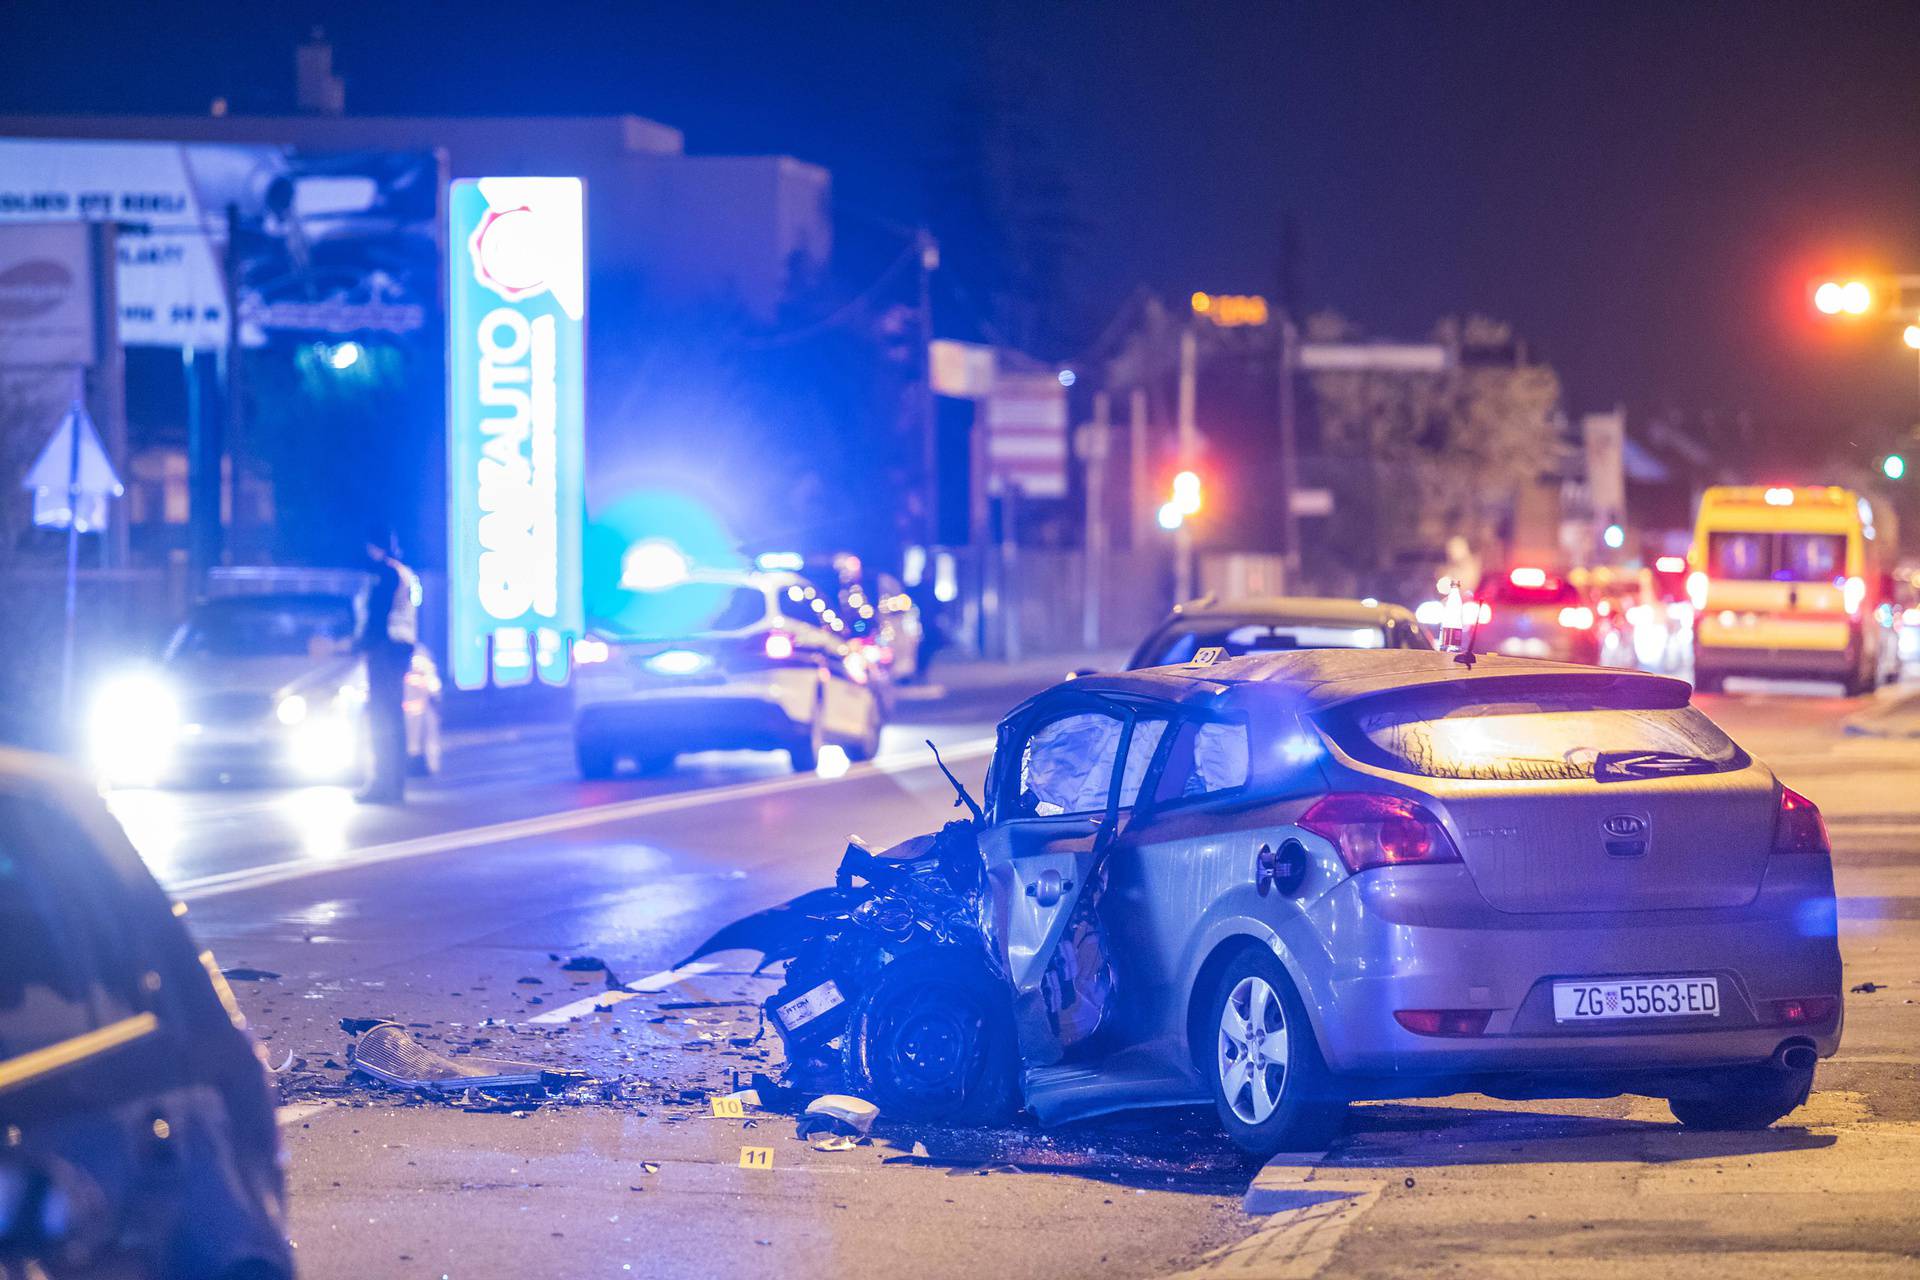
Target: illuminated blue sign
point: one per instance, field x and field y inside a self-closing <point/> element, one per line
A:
<point x="516" y="320"/>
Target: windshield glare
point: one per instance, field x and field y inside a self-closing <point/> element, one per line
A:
<point x="1527" y="738"/>
<point x="690" y="609"/>
<point x="267" y="627"/>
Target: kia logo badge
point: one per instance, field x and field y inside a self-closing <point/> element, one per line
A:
<point x="1625" y="826"/>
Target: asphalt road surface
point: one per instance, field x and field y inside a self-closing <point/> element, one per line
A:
<point x="457" y="914"/>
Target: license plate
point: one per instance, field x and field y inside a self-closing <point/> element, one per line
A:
<point x="1636" y="998"/>
<point x="797" y="1013"/>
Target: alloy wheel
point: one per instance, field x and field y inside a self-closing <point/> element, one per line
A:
<point x="1253" y="1050"/>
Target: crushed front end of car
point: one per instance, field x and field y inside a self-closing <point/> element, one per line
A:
<point x="895" y="984"/>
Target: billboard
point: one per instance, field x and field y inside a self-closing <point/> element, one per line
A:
<point x="46" y="294"/>
<point x="516" y="321"/>
<point x="327" y="243"/>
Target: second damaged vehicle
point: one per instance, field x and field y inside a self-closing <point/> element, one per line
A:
<point x="1283" y="881"/>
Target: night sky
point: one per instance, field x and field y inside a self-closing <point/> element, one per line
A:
<point x="1642" y="189"/>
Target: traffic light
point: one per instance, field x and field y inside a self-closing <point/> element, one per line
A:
<point x="1843" y="297"/>
<point x="1184" y="501"/>
<point x="1893" y="466"/>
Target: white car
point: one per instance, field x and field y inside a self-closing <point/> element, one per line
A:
<point x="257" y="686"/>
<point x="720" y="660"/>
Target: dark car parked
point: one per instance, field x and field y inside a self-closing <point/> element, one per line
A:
<point x="139" y="1136"/>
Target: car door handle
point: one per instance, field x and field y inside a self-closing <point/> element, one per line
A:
<point x="1048" y="888"/>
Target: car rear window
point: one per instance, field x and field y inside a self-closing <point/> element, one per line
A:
<point x="1530" y="736"/>
<point x="1553" y="591"/>
<point x="1260" y="637"/>
<point x="1776" y="557"/>
<point x="691" y="609"/>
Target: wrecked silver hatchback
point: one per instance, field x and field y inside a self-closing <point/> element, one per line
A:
<point x="1277" y="882"/>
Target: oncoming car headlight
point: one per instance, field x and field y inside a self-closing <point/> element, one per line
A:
<point x="133" y="727"/>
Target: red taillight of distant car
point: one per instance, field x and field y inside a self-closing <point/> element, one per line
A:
<point x="1799" y="828"/>
<point x="1379" y="831"/>
<point x="779" y="646"/>
<point x="1444" y="1022"/>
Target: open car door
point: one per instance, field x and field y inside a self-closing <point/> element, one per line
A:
<point x="1057" y="790"/>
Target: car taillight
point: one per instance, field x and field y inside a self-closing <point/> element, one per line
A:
<point x="1444" y="1022"/>
<point x="1697" y="590"/>
<point x="779" y="645"/>
<point x="588" y="650"/>
<point x="1379" y="831"/>
<point x="1802" y="1009"/>
<point x="1799" y="828"/>
<point x="1576" y="617"/>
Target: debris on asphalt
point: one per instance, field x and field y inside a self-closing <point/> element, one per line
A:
<point x="838" y="1113"/>
<point x="582" y="965"/>
<point x="982" y="1170"/>
<point x="1867" y="988"/>
<point x="241" y="973"/>
<point x="354" y="1026"/>
<point x="389" y="1053"/>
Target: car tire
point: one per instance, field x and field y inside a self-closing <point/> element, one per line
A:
<point x="1746" y="1098"/>
<point x="595" y="756"/>
<point x="1709" y="682"/>
<point x="931" y="1039"/>
<point x="1287" y="1100"/>
<point x="427" y="763"/>
<point x="804" y="755"/>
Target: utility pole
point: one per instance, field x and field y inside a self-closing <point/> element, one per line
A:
<point x="1095" y="439"/>
<point x="928" y="413"/>
<point x="1139" y="523"/>
<point x="1289" y="339"/>
<point x="1189" y="446"/>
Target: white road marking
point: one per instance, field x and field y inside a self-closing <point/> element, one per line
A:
<point x="643" y="986"/>
<point x="225" y="882"/>
<point x="1305" y="1220"/>
<point x="295" y="1112"/>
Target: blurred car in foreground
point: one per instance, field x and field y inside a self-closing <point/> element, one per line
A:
<point x="1264" y="624"/>
<point x="140" y="1135"/>
<point x="719" y="660"/>
<point x="257" y="686"/>
<point x="1279" y="882"/>
<point x="1530" y="613"/>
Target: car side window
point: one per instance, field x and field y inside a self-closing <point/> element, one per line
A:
<point x="1207" y="757"/>
<point x="71" y="964"/>
<point x="44" y="982"/>
<point x="1067" y="765"/>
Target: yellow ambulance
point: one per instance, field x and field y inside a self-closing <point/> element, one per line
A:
<point x="1793" y="582"/>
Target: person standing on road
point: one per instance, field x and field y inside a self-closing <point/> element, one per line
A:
<point x="386" y="640"/>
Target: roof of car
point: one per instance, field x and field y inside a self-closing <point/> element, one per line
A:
<point x="1292" y="608"/>
<point x="1326" y="677"/>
